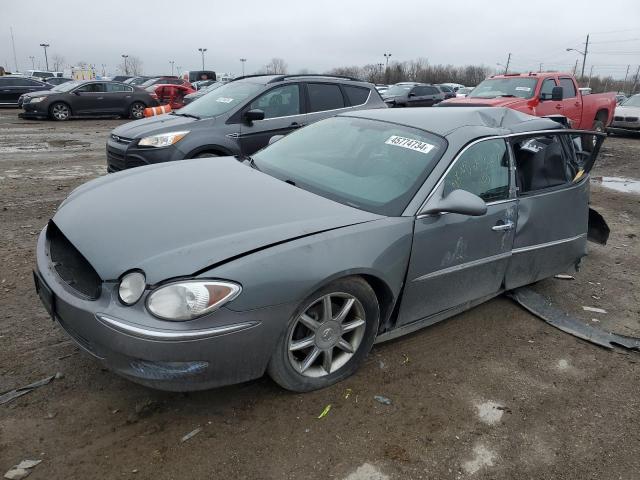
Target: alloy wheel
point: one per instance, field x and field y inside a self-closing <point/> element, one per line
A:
<point x="326" y="335"/>
<point x="137" y="110"/>
<point x="60" y="111"/>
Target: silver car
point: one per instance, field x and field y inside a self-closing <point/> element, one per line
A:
<point x="354" y="230"/>
<point x="627" y="116"/>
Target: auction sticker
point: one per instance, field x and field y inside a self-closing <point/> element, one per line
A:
<point x="410" y="143"/>
<point x="523" y="89"/>
<point x="224" y="100"/>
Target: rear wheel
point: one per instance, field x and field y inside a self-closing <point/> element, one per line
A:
<point x="60" y="111"/>
<point x="328" y="337"/>
<point x="136" y="110"/>
<point x="590" y="141"/>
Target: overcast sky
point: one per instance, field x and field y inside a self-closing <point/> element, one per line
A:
<point x="322" y="34"/>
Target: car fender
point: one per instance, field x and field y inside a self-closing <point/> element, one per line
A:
<point x="291" y="271"/>
<point x="225" y="152"/>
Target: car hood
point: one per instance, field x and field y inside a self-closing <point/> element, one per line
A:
<point x="40" y="93"/>
<point x="482" y="102"/>
<point x="627" y="111"/>
<point x="175" y="219"/>
<point x="153" y="125"/>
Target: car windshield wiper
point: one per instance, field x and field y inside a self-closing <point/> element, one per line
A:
<point x="186" y="115"/>
<point x="506" y="95"/>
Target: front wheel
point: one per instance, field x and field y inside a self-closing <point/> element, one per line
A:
<point x="590" y="141"/>
<point x="328" y="337"/>
<point x="136" y="110"/>
<point x="60" y="111"/>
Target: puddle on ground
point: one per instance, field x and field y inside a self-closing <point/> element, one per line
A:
<point x="619" y="184"/>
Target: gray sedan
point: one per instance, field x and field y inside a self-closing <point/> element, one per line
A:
<point x="354" y="230"/>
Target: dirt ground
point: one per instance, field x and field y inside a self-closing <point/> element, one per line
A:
<point x="492" y="393"/>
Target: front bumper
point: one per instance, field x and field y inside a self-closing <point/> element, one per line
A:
<point x="36" y="110"/>
<point x="623" y="126"/>
<point x="222" y="348"/>
<point x="125" y="154"/>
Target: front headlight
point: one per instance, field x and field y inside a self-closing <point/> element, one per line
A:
<point x="36" y="99"/>
<point x="163" y="140"/>
<point x="190" y="299"/>
<point x="131" y="287"/>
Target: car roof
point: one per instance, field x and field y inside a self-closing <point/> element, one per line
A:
<point x="272" y="79"/>
<point x="444" y="121"/>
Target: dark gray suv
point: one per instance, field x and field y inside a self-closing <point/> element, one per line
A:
<point x="412" y="94"/>
<point x="238" y="118"/>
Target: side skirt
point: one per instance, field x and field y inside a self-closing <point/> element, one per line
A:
<point x="432" y="319"/>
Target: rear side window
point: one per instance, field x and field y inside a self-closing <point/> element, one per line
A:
<point x="542" y="162"/>
<point x="118" y="87"/>
<point x="568" y="88"/>
<point x="483" y="169"/>
<point x="324" y="96"/>
<point x="356" y="95"/>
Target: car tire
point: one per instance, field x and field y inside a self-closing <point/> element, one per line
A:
<point x="60" y="111"/>
<point x="206" y="155"/>
<point x="589" y="141"/>
<point x="136" y="110"/>
<point x="319" y="349"/>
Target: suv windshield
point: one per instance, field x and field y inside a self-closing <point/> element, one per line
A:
<point x="397" y="90"/>
<point x="505" y="87"/>
<point x="632" y="101"/>
<point x="368" y="164"/>
<point x="221" y="99"/>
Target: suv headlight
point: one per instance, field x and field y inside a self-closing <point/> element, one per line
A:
<point x="35" y="99"/>
<point x="190" y="299"/>
<point x="163" y="139"/>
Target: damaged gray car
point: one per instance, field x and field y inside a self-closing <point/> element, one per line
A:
<point x="354" y="230"/>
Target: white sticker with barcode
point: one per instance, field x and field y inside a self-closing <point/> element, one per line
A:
<point x="224" y="100"/>
<point x="523" y="89"/>
<point x="410" y="143"/>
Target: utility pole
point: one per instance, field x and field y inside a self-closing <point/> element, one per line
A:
<point x="380" y="65"/>
<point x="202" y="50"/>
<point x="13" y="46"/>
<point x="46" y="60"/>
<point x="540" y="69"/>
<point x="575" y="68"/>
<point x="172" y="62"/>
<point x="243" y="60"/>
<point x="506" y="67"/>
<point x="104" y="71"/>
<point x="33" y="61"/>
<point x="584" y="56"/>
<point x="126" y="68"/>
<point x="624" y="84"/>
<point x="590" y="73"/>
<point x="635" y="81"/>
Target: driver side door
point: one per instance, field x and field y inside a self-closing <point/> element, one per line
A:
<point x="282" y="107"/>
<point x="457" y="258"/>
<point x="88" y="99"/>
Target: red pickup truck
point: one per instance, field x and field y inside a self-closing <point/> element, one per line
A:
<point x="541" y="94"/>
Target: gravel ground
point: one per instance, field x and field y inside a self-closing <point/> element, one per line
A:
<point x="492" y="393"/>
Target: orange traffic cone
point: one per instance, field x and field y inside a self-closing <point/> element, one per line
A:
<point x="153" y="111"/>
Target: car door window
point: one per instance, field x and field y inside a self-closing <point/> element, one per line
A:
<point x="324" y="96"/>
<point x="419" y="91"/>
<point x="91" y="88"/>
<point x="431" y="91"/>
<point x="279" y="102"/>
<point x="118" y="87"/>
<point x="356" y="95"/>
<point x="542" y="162"/>
<point x="568" y="88"/>
<point x="482" y="169"/>
<point x="547" y="88"/>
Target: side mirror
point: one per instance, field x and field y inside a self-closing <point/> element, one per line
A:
<point x="275" y="138"/>
<point x="458" y="201"/>
<point x="251" y="116"/>
<point x="557" y="94"/>
<point x="76" y="92"/>
<point x="412" y="95"/>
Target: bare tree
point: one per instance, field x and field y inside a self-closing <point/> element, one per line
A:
<point x="133" y="66"/>
<point x="58" y="62"/>
<point x="277" y="66"/>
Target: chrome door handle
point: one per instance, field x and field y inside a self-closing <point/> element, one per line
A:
<point x="100" y="98"/>
<point x="297" y="125"/>
<point x="502" y="227"/>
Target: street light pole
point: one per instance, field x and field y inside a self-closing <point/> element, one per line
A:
<point x="126" y="68"/>
<point x="584" y="55"/>
<point x="202" y="50"/>
<point x="506" y="67"/>
<point x="243" y="60"/>
<point x="387" y="56"/>
<point x="33" y="63"/>
<point x="46" y="60"/>
<point x="172" y="62"/>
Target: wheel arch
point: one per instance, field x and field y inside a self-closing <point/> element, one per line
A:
<point x="63" y="102"/>
<point x="602" y="115"/>
<point x="217" y="149"/>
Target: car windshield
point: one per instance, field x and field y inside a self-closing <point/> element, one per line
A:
<point x="632" y="101"/>
<point x="222" y="99"/>
<point x="397" y="90"/>
<point x="212" y="87"/>
<point x="67" y="86"/>
<point x="505" y="87"/>
<point x="465" y="90"/>
<point x="368" y="164"/>
<point x="149" y="82"/>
